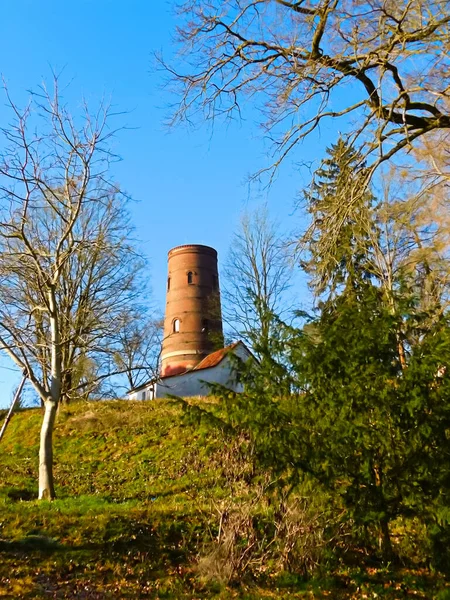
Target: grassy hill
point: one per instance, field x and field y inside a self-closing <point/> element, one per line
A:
<point x="142" y="499"/>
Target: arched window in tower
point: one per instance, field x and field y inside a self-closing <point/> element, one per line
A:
<point x="205" y="326"/>
<point x="168" y="283"/>
<point x="190" y="277"/>
<point x="176" y="326"/>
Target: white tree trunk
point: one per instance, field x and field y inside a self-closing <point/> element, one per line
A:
<point x="46" y="486"/>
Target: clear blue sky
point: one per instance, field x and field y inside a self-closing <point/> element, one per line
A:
<point x="190" y="184"/>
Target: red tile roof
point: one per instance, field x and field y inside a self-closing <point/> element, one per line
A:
<point x="215" y="358"/>
<point x="209" y="361"/>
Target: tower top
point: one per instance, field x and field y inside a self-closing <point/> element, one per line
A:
<point x="192" y="248"/>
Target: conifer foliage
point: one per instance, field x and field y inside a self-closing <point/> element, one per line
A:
<point x="337" y="241"/>
<point x="356" y="401"/>
<point x="376" y="431"/>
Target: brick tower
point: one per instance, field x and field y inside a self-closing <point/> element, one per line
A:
<point x="193" y="320"/>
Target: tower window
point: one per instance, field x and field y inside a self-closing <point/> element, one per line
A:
<point x="168" y="283"/>
<point x="215" y="282"/>
<point x="205" y="326"/>
<point x="176" y="325"/>
<point x="190" y="277"/>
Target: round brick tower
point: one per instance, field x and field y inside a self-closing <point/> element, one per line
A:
<point x="193" y="320"/>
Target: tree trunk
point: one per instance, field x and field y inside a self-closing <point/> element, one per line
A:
<point x="13" y="404"/>
<point x="384" y="538"/>
<point x="387" y="551"/>
<point x="46" y="486"/>
<point x="66" y="387"/>
<point x="401" y="353"/>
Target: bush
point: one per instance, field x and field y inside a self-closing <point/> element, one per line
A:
<point x="256" y="536"/>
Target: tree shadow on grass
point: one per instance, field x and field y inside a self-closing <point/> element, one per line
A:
<point x="137" y="562"/>
<point x="30" y="543"/>
<point x="22" y="495"/>
<point x="139" y="558"/>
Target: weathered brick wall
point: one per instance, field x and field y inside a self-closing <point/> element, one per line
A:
<point x="193" y="298"/>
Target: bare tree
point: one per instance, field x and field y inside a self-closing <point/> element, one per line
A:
<point x="68" y="269"/>
<point x="139" y="348"/>
<point x="410" y="243"/>
<point x="382" y="63"/>
<point x="257" y="276"/>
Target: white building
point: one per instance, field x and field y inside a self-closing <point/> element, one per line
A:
<point x="217" y="367"/>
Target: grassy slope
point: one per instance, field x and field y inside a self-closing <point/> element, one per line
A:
<point x="136" y="494"/>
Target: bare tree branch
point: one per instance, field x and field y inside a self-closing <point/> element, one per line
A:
<point x="297" y="59"/>
<point x="257" y="273"/>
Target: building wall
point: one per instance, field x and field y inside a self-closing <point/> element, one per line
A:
<point x="146" y="393"/>
<point x="194" y="383"/>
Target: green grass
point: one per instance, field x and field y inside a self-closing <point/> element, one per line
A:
<point x="137" y="495"/>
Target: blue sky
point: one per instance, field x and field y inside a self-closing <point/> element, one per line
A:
<point x="190" y="185"/>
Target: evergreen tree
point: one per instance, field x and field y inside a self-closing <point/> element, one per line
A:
<point x="357" y="400"/>
<point x="337" y="243"/>
<point x="373" y="435"/>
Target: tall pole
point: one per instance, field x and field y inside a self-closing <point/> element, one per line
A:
<point x="13" y="404"/>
